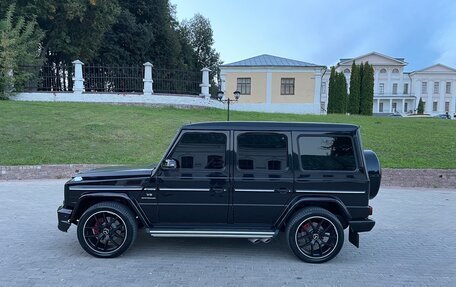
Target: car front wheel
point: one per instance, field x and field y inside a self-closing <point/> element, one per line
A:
<point x="315" y="235"/>
<point x="107" y="229"/>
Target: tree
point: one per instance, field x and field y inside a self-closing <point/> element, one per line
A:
<point x="367" y="90"/>
<point x="420" y="107"/>
<point x="342" y="93"/>
<point x="19" y="45"/>
<point x="355" y="90"/>
<point x="199" y="34"/>
<point x="332" y="97"/>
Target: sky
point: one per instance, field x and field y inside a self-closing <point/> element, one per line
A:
<point x="323" y="31"/>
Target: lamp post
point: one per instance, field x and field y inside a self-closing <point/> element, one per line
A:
<point x="220" y="95"/>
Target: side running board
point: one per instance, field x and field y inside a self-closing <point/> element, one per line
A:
<point x="211" y="233"/>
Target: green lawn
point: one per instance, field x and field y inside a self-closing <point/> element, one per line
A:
<point x="53" y="133"/>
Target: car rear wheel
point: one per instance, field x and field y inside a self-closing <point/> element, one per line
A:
<point x="315" y="235"/>
<point x="107" y="229"/>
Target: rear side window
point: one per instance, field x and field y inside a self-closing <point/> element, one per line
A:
<point x="262" y="152"/>
<point x="326" y="153"/>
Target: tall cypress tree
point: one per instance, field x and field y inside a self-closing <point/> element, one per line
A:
<point x="355" y="90"/>
<point x="332" y="97"/>
<point x="342" y="91"/>
<point x="420" y="110"/>
<point x="367" y="90"/>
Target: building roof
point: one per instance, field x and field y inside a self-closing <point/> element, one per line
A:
<point x="270" y="61"/>
<point x="434" y="68"/>
<point x="270" y="126"/>
<point x="345" y="61"/>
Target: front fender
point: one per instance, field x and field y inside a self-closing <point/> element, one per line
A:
<point x="105" y="196"/>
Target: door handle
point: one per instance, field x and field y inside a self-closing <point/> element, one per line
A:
<point x="282" y="190"/>
<point x="217" y="189"/>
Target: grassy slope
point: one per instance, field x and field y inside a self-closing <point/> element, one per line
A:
<point x="48" y="133"/>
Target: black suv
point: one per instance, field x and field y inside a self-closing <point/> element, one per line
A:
<point x="237" y="180"/>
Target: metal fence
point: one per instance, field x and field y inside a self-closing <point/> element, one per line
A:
<point x="113" y="79"/>
<point x="108" y="79"/>
<point x="53" y="78"/>
<point x="169" y="81"/>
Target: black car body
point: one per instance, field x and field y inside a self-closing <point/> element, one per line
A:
<point x="234" y="179"/>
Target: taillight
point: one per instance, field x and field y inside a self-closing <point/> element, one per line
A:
<point x="371" y="210"/>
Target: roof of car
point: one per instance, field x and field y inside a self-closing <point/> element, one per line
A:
<point x="285" y="126"/>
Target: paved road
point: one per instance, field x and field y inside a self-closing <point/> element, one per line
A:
<point x="413" y="244"/>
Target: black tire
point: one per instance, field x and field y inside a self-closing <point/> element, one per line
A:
<point x="315" y="235"/>
<point x="107" y="229"/>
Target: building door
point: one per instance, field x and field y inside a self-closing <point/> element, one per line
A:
<point x="394" y="108"/>
<point x="405" y="107"/>
<point x="380" y="107"/>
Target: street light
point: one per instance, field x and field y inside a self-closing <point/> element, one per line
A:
<point x="220" y="95"/>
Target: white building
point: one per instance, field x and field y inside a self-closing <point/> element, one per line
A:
<point x="398" y="91"/>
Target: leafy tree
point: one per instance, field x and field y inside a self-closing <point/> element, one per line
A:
<point x="420" y="107"/>
<point x="19" y="45"/>
<point x="367" y="90"/>
<point x="332" y="97"/>
<point x="355" y="90"/>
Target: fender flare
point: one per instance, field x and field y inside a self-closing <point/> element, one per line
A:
<point x="293" y="206"/>
<point x="110" y="195"/>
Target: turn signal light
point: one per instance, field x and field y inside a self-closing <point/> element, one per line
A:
<point x="371" y="210"/>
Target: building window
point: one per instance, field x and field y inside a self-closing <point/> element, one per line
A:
<point x="395" y="89"/>
<point x="380" y="107"/>
<point x="244" y="85"/>
<point x="436" y="87"/>
<point x="347" y="71"/>
<point x="383" y="71"/>
<point x="424" y="87"/>
<point x="405" y="88"/>
<point x="434" y="106"/>
<point x="323" y="88"/>
<point x="381" y="88"/>
<point x="448" y="88"/>
<point x="287" y="86"/>
<point x="447" y="106"/>
<point x="395" y="71"/>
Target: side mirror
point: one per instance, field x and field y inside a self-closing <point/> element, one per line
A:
<point x="169" y="164"/>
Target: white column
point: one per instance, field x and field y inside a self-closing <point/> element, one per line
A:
<point x="148" y="80"/>
<point x="400" y="89"/>
<point x="429" y="102"/>
<point x="391" y="106"/>
<point x="223" y="82"/>
<point x="317" y="94"/>
<point x="441" y="105"/>
<point x="389" y="85"/>
<point x="376" y="82"/>
<point x="378" y="105"/>
<point x="403" y="106"/>
<point x="417" y="87"/>
<point x="78" y="79"/>
<point x="205" y="84"/>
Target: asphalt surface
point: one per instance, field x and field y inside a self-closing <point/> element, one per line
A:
<point x="412" y="244"/>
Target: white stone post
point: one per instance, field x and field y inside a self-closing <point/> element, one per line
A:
<point x="205" y="84"/>
<point x="391" y="105"/>
<point x="78" y="79"/>
<point x="148" y="80"/>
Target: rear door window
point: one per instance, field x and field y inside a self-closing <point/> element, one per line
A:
<point x="326" y="153"/>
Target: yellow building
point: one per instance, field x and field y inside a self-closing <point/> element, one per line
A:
<point x="274" y="84"/>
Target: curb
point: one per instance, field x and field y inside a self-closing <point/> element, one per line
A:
<point x="425" y="178"/>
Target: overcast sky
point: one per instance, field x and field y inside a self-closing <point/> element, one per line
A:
<point x="321" y="32"/>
